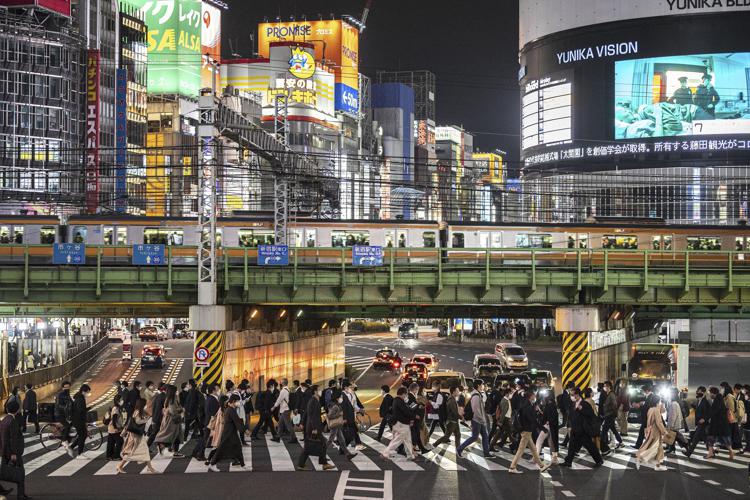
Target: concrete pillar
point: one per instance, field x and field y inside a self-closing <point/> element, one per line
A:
<point x="576" y="359"/>
<point x="210" y="324"/>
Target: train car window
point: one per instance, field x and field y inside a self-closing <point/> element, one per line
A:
<point x="619" y="241"/>
<point x="533" y="241"/>
<point x="253" y="237"/>
<point x="219" y="238"/>
<point x="18" y="234"/>
<point x="79" y="234"/>
<point x="428" y="239"/>
<point x="703" y="243"/>
<point x="350" y="238"/>
<point x="47" y="235"/>
<point x="458" y="240"/>
<point x="115" y="236"/>
<point x="667" y="242"/>
<point x="497" y="240"/>
<point x="741" y="243"/>
<point x="5" y="235"/>
<point x="390" y="236"/>
<point x="656" y="242"/>
<point x="402" y="241"/>
<point x="583" y="241"/>
<point x="571" y="241"/>
<point x="159" y="236"/>
<point x="311" y="237"/>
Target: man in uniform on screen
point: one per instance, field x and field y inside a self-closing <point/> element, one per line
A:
<point x="706" y="97"/>
<point x="682" y="95"/>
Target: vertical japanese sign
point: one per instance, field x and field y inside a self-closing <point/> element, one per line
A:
<point x="121" y="140"/>
<point x="210" y="43"/>
<point x="92" y="131"/>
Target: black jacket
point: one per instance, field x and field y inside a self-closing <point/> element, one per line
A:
<point x="451" y="410"/>
<point x="386" y="406"/>
<point x="313" y="421"/>
<point x="295" y="399"/>
<point x="401" y="411"/>
<point x="230" y="445"/>
<point x="62" y="401"/>
<point x="348" y="409"/>
<point x="265" y="401"/>
<point x="304" y="399"/>
<point x="527" y="417"/>
<point x="650" y="401"/>
<point x="719" y="425"/>
<point x="158" y="408"/>
<point x="29" y="402"/>
<point x="133" y="396"/>
<point x="702" y="411"/>
<point x="551" y="416"/>
<point x="211" y="407"/>
<point x="11" y="437"/>
<point x="581" y="418"/>
<point x="516" y="400"/>
<point x="78" y="416"/>
<point x="192" y="401"/>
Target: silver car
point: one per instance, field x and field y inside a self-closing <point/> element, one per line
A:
<point x="512" y="357"/>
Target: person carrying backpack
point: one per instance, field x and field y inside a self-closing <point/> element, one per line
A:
<point x="474" y="411"/>
<point x="526" y="425"/>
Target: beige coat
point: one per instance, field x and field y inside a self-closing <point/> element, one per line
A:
<point x="652" y="450"/>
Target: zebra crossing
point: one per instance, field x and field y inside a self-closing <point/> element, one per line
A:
<point x="266" y="455"/>
<point x="359" y="362"/>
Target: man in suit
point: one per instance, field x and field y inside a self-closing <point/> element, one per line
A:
<point x="313" y="430"/>
<point x="385" y="410"/>
<point x="211" y="407"/>
<point x="264" y="403"/>
<point x="648" y="403"/>
<point x="581" y="415"/>
<point x="503" y="415"/>
<point x="12" y="442"/>
<point x="30" y="414"/>
<point x="451" y="419"/>
<point x="78" y="417"/>
<point x="702" y="419"/>
<point x="157" y="412"/>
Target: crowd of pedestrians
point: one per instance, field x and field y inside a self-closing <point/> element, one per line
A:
<point x="528" y="418"/>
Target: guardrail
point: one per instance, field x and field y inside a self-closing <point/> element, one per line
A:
<point x="68" y="370"/>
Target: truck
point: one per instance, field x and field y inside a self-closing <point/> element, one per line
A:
<point x="663" y="366"/>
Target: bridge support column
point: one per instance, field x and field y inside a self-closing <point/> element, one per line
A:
<point x="210" y="324"/>
<point x="576" y="359"/>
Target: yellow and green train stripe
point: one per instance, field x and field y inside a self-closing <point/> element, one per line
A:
<point x="576" y="359"/>
<point x="213" y="340"/>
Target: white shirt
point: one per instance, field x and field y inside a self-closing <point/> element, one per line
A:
<point x="510" y="410"/>
<point x="282" y="403"/>
<point x="353" y="400"/>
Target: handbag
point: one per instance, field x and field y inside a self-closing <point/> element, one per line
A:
<point x="670" y="437"/>
<point x="730" y="416"/>
<point x="314" y="447"/>
<point x="135" y="428"/>
<point x="12" y="472"/>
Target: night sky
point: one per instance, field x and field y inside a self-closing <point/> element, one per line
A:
<point x="471" y="46"/>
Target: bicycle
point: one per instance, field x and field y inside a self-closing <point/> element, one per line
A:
<point x="50" y="435"/>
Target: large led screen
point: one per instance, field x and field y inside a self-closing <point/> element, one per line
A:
<point x="691" y="95"/>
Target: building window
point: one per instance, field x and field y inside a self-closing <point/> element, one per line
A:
<point x="54" y="56"/>
<point x="350" y="238"/>
<point x="252" y="237"/>
<point x="54" y="88"/>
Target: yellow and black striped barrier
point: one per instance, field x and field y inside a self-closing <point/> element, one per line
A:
<point x="213" y="342"/>
<point x="576" y="359"/>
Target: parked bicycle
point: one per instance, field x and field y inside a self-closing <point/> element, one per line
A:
<point x="50" y="435"/>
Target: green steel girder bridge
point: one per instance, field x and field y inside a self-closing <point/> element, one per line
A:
<point x="415" y="282"/>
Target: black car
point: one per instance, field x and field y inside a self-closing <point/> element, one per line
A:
<point x="408" y="331"/>
<point x="387" y="359"/>
<point x="181" y="331"/>
<point x="152" y="356"/>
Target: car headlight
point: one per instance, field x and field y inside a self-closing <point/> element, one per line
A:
<point x="631" y="391"/>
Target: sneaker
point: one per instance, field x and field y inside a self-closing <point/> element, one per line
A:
<point x="544" y="467"/>
<point x="71" y="452"/>
<point x="490" y="455"/>
<point x="82" y="456"/>
<point x="606" y="453"/>
<point x="514" y="471"/>
<point x="328" y="467"/>
<point x="213" y="468"/>
<point x="359" y="447"/>
<point x="660" y="467"/>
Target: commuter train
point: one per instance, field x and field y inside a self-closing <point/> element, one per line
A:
<point x="249" y="232"/>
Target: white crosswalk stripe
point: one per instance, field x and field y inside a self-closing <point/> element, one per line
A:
<point x="267" y="455"/>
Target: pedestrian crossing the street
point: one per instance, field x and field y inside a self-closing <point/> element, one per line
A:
<point x="266" y="455"/>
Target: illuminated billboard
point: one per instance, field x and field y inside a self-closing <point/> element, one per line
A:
<point x="701" y="94"/>
<point x="174" y="45"/>
<point x="336" y="43"/>
<point x="210" y="43"/>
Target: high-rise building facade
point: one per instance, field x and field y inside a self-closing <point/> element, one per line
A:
<point x="41" y="121"/>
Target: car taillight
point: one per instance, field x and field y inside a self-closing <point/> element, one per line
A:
<point x="396" y="364"/>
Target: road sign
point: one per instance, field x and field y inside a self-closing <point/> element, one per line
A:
<point x="200" y="358"/>
<point x="69" y="253"/>
<point x="367" y="256"/>
<point x="148" y="255"/>
<point x="273" y="255"/>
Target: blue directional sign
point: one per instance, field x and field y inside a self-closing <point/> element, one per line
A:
<point x="273" y="255"/>
<point x="69" y="253"/>
<point x="148" y="255"/>
<point x="367" y="256"/>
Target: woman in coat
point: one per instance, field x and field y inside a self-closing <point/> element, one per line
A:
<point x="135" y="447"/>
<point x="171" y="424"/>
<point x="718" y="428"/>
<point x="652" y="450"/>
<point x="549" y="425"/>
<point x="623" y="407"/>
<point x="216" y="426"/>
<point x="230" y="445"/>
<point x="675" y="421"/>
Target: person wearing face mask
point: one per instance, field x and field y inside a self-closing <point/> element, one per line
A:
<point x="264" y="403"/>
<point x="114" y="420"/>
<point x="285" y="413"/>
<point x="745" y="400"/>
<point x="582" y="430"/>
<point x="315" y="443"/>
<point x="718" y="427"/>
<point x="335" y="419"/>
<point x="385" y="410"/>
<point x="402" y="415"/>
<point x="451" y="419"/>
<point x="702" y="407"/>
<point x="63" y="409"/>
<point x="652" y="449"/>
<point x="230" y="445"/>
<point x="479" y="422"/>
<point x="528" y="421"/>
<point x="135" y="448"/>
<point x="78" y="418"/>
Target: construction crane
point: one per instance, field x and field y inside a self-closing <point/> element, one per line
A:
<point x="365" y="13"/>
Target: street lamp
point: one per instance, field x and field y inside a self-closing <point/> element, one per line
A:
<point x="56" y="325"/>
